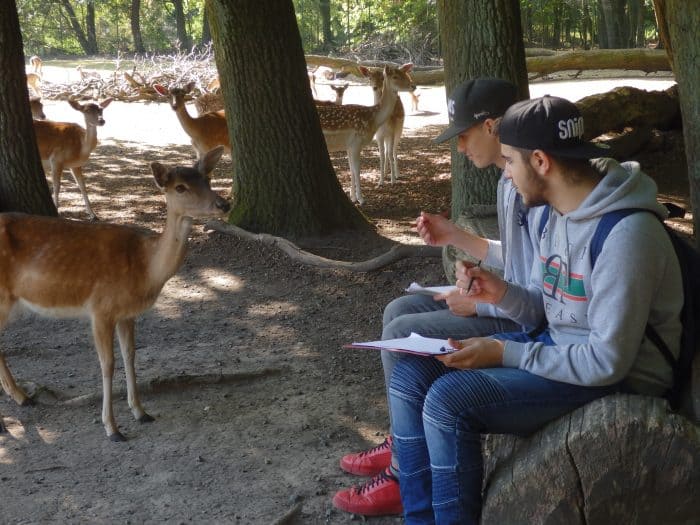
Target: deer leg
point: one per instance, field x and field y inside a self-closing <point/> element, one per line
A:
<point x="80" y="181"/>
<point x="103" y="333"/>
<point x="391" y="156"/>
<point x="354" y="161"/>
<point x="125" y="332"/>
<point x="56" y="171"/>
<point x="382" y="158"/>
<point x="6" y="379"/>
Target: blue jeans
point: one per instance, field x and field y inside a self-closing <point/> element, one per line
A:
<point x="429" y="318"/>
<point x="438" y="416"/>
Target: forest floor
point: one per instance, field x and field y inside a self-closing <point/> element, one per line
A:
<point x="240" y="361"/>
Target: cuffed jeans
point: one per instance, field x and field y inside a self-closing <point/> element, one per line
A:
<point x="438" y="416"/>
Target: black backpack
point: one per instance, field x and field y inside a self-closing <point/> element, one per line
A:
<point x="689" y="259"/>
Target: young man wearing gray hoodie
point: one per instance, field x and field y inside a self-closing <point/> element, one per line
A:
<point x="593" y="342"/>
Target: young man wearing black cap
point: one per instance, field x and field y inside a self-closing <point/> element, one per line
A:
<point x="474" y="109"/>
<point x="596" y="310"/>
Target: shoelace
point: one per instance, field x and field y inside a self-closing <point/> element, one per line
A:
<point x="377" y="480"/>
<point x="384" y="444"/>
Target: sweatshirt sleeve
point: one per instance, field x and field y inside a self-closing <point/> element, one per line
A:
<point x="634" y="263"/>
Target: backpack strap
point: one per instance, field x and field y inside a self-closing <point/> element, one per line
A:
<point x="607" y="222"/>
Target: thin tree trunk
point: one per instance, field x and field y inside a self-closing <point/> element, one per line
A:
<point x="206" y="30"/>
<point x="77" y="29"/>
<point x="135" y="16"/>
<point x="283" y="182"/>
<point x="324" y="7"/>
<point x="23" y="185"/>
<point x="181" y="26"/>
<point x="90" y="27"/>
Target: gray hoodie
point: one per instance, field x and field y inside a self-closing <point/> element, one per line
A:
<point x="597" y="316"/>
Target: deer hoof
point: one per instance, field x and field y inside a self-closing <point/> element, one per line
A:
<point x="117" y="437"/>
<point x="145" y="418"/>
<point x="26" y="402"/>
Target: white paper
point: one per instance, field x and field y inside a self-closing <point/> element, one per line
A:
<point x="413" y="344"/>
<point x="429" y="290"/>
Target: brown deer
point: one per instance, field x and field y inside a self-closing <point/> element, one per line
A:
<point x="87" y="74"/>
<point x="351" y="127"/>
<point x="389" y="133"/>
<point x="108" y="273"/>
<point x="37" y="108"/>
<point x="34" y="84"/>
<point x="67" y="145"/>
<point x="36" y="63"/>
<point x="206" y="131"/>
<point x="338" y="100"/>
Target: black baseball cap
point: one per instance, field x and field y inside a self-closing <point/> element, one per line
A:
<point x="476" y="100"/>
<point x="551" y="124"/>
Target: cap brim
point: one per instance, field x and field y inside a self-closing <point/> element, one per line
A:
<point x="452" y="131"/>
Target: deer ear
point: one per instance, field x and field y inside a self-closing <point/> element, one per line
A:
<point x="75" y="105"/>
<point x="160" y="89"/>
<point x="207" y="163"/>
<point x="364" y="71"/>
<point x="407" y="67"/>
<point x="189" y="87"/>
<point x="106" y="102"/>
<point x="160" y="174"/>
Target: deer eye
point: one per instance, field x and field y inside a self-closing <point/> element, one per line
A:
<point x="180" y="188"/>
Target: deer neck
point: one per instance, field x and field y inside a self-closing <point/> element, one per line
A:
<point x="386" y="105"/>
<point x="184" y="117"/>
<point x="90" y="141"/>
<point x="170" y="248"/>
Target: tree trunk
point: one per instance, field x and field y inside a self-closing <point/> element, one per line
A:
<point x="324" y="7"/>
<point x="480" y="39"/>
<point x="181" y="26"/>
<point x="206" y="30"/>
<point x="616" y="23"/>
<point x="283" y="182"/>
<point x="683" y="20"/>
<point x="602" y="26"/>
<point x="77" y="29"/>
<point x="90" y="27"/>
<point x="135" y="16"/>
<point x="23" y="185"/>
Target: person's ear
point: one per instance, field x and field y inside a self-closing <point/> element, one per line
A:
<point x="489" y="124"/>
<point x="540" y="161"/>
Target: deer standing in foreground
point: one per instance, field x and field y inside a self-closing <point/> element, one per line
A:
<point x="67" y="145"/>
<point x="389" y="133"/>
<point x="206" y="131"/>
<point x="108" y="273"/>
<point x="351" y="127"/>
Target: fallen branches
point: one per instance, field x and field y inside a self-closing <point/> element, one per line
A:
<point x="396" y="253"/>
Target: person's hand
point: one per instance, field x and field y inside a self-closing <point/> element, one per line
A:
<point x="478" y="284"/>
<point x="476" y="352"/>
<point x="458" y="303"/>
<point x="436" y="230"/>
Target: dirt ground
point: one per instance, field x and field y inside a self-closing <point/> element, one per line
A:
<point x="240" y="360"/>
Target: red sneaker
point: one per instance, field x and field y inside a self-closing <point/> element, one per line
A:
<point x="380" y="496"/>
<point x="369" y="462"/>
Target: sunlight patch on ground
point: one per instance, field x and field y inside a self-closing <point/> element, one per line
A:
<point x="272" y="309"/>
<point x="373" y="435"/>
<point x="217" y="279"/>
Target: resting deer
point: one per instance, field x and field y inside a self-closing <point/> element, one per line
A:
<point x="388" y="135"/>
<point x="34" y="83"/>
<point x="36" y="64"/>
<point x="206" y="131"/>
<point x="108" y="273"/>
<point x="37" y="108"/>
<point x="67" y="145"/>
<point x="87" y="74"/>
<point x="351" y="127"/>
<point x="338" y="100"/>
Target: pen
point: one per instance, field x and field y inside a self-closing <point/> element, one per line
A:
<point x="471" y="281"/>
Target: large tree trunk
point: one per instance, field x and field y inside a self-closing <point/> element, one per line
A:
<point x="683" y="20"/>
<point x="23" y="185"/>
<point x="480" y="39"/>
<point x="206" y="30"/>
<point x="90" y="27"/>
<point x="616" y="23"/>
<point x="324" y="7"/>
<point x="135" y="17"/>
<point x="283" y="181"/>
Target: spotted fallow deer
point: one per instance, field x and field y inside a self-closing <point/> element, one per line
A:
<point x="350" y="127"/>
<point x="68" y="145"/>
<point x="107" y="273"/>
<point x="206" y="131"/>
<point x="388" y="135"/>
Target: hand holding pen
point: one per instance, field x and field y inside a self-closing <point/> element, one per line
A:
<point x="480" y="285"/>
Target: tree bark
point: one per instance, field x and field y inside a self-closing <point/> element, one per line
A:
<point x="683" y="20"/>
<point x="23" y="185"/>
<point x="77" y="28"/>
<point x="480" y="39"/>
<point x="90" y="27"/>
<point x="324" y="8"/>
<point x="616" y="23"/>
<point x="181" y="26"/>
<point x="283" y="182"/>
<point x="206" y="29"/>
<point x="135" y="18"/>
